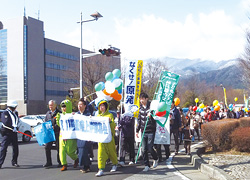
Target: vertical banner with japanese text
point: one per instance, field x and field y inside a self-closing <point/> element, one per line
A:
<point x="133" y="87"/>
<point x="165" y="92"/>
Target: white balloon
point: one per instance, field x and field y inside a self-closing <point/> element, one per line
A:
<point x="110" y="87"/>
<point x="154" y="104"/>
<point x="117" y="82"/>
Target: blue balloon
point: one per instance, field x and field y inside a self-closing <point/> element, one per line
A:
<point x="230" y="106"/>
<point x="102" y="84"/>
<point x="212" y="108"/>
<point x="119" y="91"/>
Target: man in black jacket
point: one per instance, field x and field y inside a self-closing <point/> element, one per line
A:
<point x="10" y="121"/>
<point x="175" y="125"/>
<point x="149" y="135"/>
<point x="50" y="116"/>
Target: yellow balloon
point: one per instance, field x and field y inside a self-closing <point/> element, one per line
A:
<point x="215" y="102"/>
<point x="246" y="109"/>
<point x="177" y="101"/>
<point x="201" y="106"/>
<point x="235" y="99"/>
<point x="196" y="100"/>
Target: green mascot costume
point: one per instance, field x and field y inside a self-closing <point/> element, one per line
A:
<point x="106" y="150"/>
<point x="66" y="146"/>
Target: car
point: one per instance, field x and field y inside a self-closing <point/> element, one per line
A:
<point x="33" y="120"/>
<point x="22" y="127"/>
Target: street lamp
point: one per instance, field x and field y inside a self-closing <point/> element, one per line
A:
<point x="95" y="15"/>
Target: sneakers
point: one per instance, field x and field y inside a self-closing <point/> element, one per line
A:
<point x="146" y="169"/>
<point x="85" y="170"/>
<point x="114" y="167"/>
<point x="131" y="163"/>
<point x="100" y="173"/>
<point x="155" y="163"/>
<point x="121" y="163"/>
<point x="47" y="166"/>
<point x="15" y="165"/>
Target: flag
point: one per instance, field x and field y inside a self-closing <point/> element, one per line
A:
<point x="132" y="89"/>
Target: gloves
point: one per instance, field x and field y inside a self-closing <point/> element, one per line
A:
<point x="15" y="129"/>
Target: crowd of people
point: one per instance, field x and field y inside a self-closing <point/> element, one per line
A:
<point x="183" y="126"/>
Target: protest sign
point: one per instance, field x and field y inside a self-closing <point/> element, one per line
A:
<point x="87" y="128"/>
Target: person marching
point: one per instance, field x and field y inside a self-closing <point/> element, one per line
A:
<point x="82" y="145"/>
<point x="106" y="150"/>
<point x="66" y="146"/>
<point x="148" y="139"/>
<point x="10" y="120"/>
<point x="51" y="116"/>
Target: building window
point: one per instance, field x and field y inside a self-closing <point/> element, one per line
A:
<point x="61" y="55"/>
<point x="3" y="66"/>
<point x="61" y="80"/>
<point x="55" y="66"/>
<point x="56" y="93"/>
<point x="25" y="62"/>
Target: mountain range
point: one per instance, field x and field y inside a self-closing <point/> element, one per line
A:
<point x="226" y="72"/>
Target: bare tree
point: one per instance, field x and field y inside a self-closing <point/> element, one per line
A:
<point x="245" y="60"/>
<point x="151" y="74"/>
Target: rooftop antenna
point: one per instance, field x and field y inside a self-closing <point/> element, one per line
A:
<point x="38" y="14"/>
<point x="24" y="12"/>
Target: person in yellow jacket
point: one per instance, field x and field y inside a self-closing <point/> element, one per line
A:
<point x="106" y="150"/>
<point x="66" y="146"/>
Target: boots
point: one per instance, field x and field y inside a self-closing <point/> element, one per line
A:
<point x="64" y="168"/>
<point x="76" y="163"/>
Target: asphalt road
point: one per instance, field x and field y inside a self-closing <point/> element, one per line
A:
<point x="32" y="157"/>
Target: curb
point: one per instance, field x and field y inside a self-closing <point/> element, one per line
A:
<point x="205" y="168"/>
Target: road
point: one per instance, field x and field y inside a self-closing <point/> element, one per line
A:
<point x="32" y="157"/>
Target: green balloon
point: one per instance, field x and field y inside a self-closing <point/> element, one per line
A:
<point x="162" y="106"/>
<point x="98" y="87"/>
<point x="109" y="76"/>
<point x="117" y="72"/>
<point x="119" y="87"/>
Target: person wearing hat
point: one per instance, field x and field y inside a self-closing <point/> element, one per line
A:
<point x="10" y="122"/>
<point x="66" y="146"/>
<point x="106" y="150"/>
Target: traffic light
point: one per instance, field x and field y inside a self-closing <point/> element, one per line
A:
<point x="109" y="52"/>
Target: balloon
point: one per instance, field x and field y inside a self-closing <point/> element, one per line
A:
<point x="120" y="91"/>
<point x="117" y="97"/>
<point x="215" y="102"/>
<point x="162" y="106"/>
<point x="119" y="87"/>
<point x="154" y="105"/>
<point x="196" y="100"/>
<point x="109" y="76"/>
<point x="98" y="87"/>
<point x="117" y="82"/>
<point x="105" y="92"/>
<point x="201" y="106"/>
<point x="101" y="96"/>
<point x="217" y="108"/>
<point x="200" y="110"/>
<point x="161" y="114"/>
<point x="235" y="99"/>
<point x="246" y="109"/>
<point x="116" y="72"/>
<point x="230" y="106"/>
<point x="110" y="87"/>
<point x="194" y="108"/>
<point x="176" y="101"/>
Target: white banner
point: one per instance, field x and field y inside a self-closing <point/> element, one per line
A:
<point x="162" y="134"/>
<point x="87" y="128"/>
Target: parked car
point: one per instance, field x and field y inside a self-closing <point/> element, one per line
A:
<point x="33" y="120"/>
<point x="22" y="127"/>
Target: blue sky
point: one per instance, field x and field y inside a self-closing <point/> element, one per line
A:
<point x="194" y="29"/>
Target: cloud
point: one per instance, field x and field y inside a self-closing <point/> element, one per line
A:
<point x="214" y="36"/>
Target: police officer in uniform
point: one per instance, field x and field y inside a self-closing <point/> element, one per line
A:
<point x="9" y="132"/>
<point x="51" y="116"/>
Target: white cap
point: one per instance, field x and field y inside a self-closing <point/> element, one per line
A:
<point x="12" y="103"/>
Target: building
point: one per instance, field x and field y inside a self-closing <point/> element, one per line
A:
<point x="34" y="69"/>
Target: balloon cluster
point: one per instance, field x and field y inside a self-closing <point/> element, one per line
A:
<point x="112" y="88"/>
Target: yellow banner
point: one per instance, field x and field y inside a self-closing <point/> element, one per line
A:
<point x="138" y="86"/>
<point x="225" y="97"/>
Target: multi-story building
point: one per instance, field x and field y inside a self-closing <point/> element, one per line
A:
<point x="34" y="69"/>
